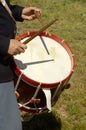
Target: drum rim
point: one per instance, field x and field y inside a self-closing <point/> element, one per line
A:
<point x="61" y="42"/>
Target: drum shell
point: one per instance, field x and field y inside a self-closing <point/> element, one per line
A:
<point x="26" y="92"/>
<point x="28" y="86"/>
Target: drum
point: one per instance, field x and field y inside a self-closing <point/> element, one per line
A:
<point x="42" y="72"/>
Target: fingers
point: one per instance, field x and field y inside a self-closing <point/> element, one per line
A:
<point x="31" y="17"/>
<point x="19" y="49"/>
<point x="37" y="12"/>
<point x="29" y="13"/>
<point x="32" y="10"/>
<point x="15" y="47"/>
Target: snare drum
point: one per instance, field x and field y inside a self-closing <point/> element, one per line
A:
<point x="42" y="71"/>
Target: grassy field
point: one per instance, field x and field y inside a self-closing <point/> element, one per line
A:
<point x="69" y="113"/>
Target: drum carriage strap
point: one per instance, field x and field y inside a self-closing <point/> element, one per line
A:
<point x="16" y="86"/>
<point x="47" y="93"/>
<point x="18" y="81"/>
<point x="33" y="99"/>
<point x="59" y="90"/>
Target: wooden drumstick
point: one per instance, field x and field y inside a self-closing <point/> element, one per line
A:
<point x="41" y="22"/>
<point x="38" y="16"/>
<point x="40" y="31"/>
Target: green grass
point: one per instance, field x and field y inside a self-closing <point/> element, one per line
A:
<point x="69" y="113"/>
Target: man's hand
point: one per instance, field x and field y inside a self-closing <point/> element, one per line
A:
<point x="28" y="13"/>
<point x="15" y="47"/>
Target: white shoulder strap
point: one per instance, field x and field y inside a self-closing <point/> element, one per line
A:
<point x="3" y="2"/>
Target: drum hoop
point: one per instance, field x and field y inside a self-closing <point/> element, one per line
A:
<point x="61" y="42"/>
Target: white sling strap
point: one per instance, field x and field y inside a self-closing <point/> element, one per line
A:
<point x="3" y="2"/>
<point x="47" y="93"/>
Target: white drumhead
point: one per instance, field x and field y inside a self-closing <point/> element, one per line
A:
<point x="46" y="72"/>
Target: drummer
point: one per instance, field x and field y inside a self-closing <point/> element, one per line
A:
<point x="9" y="112"/>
